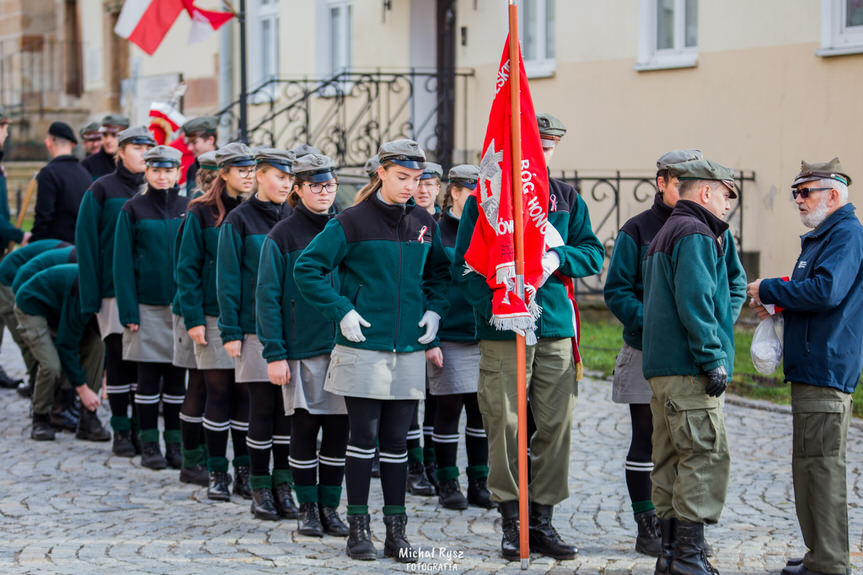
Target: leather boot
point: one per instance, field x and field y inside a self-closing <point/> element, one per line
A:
<point x="450" y="495"/>
<point x="418" y="484"/>
<point x="359" y="544"/>
<point x="431" y="473"/>
<point x="689" y="557"/>
<point x="123" y="444"/>
<point x="90" y="428"/>
<point x="544" y="537"/>
<point x="218" y="490"/>
<point x="510" y="546"/>
<point x="62" y="417"/>
<point x="285" y="501"/>
<point x="174" y="455"/>
<point x="648" y="541"/>
<point x="795" y="567"/>
<point x="196" y="475"/>
<point x="8" y="382"/>
<point x="668" y="532"/>
<point x="241" y="482"/>
<point x="396" y="544"/>
<point x="309" y="520"/>
<point x="151" y="456"/>
<point x="333" y="524"/>
<point x="42" y="430"/>
<point x="478" y="493"/>
<point x="263" y="504"/>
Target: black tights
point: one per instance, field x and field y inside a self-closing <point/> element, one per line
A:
<point x="120" y="376"/>
<point x="269" y="428"/>
<point x="446" y="430"/>
<point x="638" y="462"/>
<point x="305" y="458"/>
<point x="415" y="450"/>
<point x="165" y="382"/>
<point x="192" y="412"/>
<point x="227" y="408"/>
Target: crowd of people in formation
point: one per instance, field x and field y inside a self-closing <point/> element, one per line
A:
<point x="248" y="306"/>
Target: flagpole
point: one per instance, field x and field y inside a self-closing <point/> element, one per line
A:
<point x="520" y="353"/>
<point x="243" y="127"/>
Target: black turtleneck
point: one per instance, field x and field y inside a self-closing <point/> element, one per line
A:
<point x="99" y="164"/>
<point x="300" y="228"/>
<point x="644" y="227"/>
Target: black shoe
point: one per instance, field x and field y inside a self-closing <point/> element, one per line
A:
<point x="417" y="483"/>
<point x="309" y="520"/>
<point x="333" y="524"/>
<point x="396" y="544"/>
<point x="285" y="501"/>
<point x="263" y="504"/>
<point x="689" y="557"/>
<point x="174" y="455"/>
<point x="376" y="464"/>
<point x="359" y="544"/>
<point x="450" y="495"/>
<point x="8" y="382"/>
<point x="668" y="532"/>
<point x="90" y="428"/>
<point x="63" y="418"/>
<point x="42" y="430"/>
<point x="544" y="537"/>
<point x="197" y="475"/>
<point x="796" y="567"/>
<point x="431" y="473"/>
<point x="151" y="456"/>
<point x="123" y="446"/>
<point x="510" y="546"/>
<point x="217" y="489"/>
<point x="478" y="493"/>
<point x="241" y="482"/>
<point x="648" y="541"/>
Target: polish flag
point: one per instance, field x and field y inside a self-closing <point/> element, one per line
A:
<point x="204" y="22"/>
<point x="165" y="121"/>
<point x="146" y="22"/>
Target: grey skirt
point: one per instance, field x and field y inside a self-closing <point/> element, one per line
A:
<point x="306" y="388"/>
<point x="184" y="347"/>
<point x="212" y="355"/>
<point x="460" y="371"/>
<point x="152" y="343"/>
<point x="251" y="365"/>
<point x="108" y="317"/>
<point x="376" y="374"/>
<point x="629" y="384"/>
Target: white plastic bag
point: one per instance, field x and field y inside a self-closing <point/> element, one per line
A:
<point x="766" y="349"/>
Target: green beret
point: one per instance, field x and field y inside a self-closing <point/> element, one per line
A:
<point x="431" y="170"/>
<point x="281" y="159"/>
<point x="677" y="156"/>
<point x="163" y="157"/>
<point x="810" y="172"/>
<point x="406" y="153"/>
<point x="465" y="175"/>
<point x="372" y="165"/>
<point x="136" y="135"/>
<point x="207" y="161"/>
<point x="89" y="129"/>
<point x="201" y="125"/>
<point x="314" y="168"/>
<point x="114" y="123"/>
<point x="234" y="154"/>
<point x="704" y="170"/>
<point x="550" y="126"/>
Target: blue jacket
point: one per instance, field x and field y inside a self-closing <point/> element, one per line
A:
<point x="824" y="305"/>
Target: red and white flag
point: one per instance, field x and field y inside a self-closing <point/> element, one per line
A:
<point x="165" y="121"/>
<point x="204" y="22"/>
<point x="146" y="22"/>
<point x="492" y="248"/>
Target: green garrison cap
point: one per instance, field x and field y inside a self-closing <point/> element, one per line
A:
<point x="207" y="161"/>
<point x="372" y="165"/>
<point x="315" y="168"/>
<point x="114" y="123"/>
<point x="677" y="156"/>
<point x="704" y="170"/>
<point x="406" y="153"/>
<point x="304" y="149"/>
<point x="90" y="131"/>
<point x="465" y="175"/>
<point x="234" y="154"/>
<point x="550" y="126"/>
<point x="431" y="170"/>
<point x="136" y="135"/>
<point x="820" y="170"/>
<point x="281" y="159"/>
<point x="163" y="157"/>
<point x="201" y="125"/>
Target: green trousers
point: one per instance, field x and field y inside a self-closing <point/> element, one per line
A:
<point x="691" y="463"/>
<point x="7" y="317"/>
<point x="552" y="390"/>
<point x="820" y="421"/>
<point x="49" y="376"/>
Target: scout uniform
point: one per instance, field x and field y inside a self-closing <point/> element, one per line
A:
<point x="197" y="128"/>
<point x="90" y="134"/>
<point x="45" y="260"/>
<point x="102" y="163"/>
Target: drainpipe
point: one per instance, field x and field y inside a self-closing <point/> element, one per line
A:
<point x="226" y="78"/>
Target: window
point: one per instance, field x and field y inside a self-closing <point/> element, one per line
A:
<point x="667" y="34"/>
<point x="340" y="34"/>
<point x="264" y="44"/>
<point x="536" y="33"/>
<point x="841" y="27"/>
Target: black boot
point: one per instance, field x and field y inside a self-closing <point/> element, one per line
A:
<point x="90" y="428"/>
<point x="241" y="482"/>
<point x="510" y="546"/>
<point x="333" y="524"/>
<point x="431" y="473"/>
<point x="285" y="501"/>
<point x="8" y="382"/>
<point x="668" y="532"/>
<point x="123" y="444"/>
<point x="42" y="430"/>
<point x="309" y="520"/>
<point x="648" y="541"/>
<point x="450" y="495"/>
<point x="417" y="483"/>
<point x="796" y="567"/>
<point x="544" y="537"/>
<point x="151" y="456"/>
<point x="263" y="504"/>
<point x="359" y="545"/>
<point x="478" y="493"/>
<point x="196" y="475"/>
<point x="218" y="487"/>
<point x="174" y="455"/>
<point x="689" y="557"/>
<point x="396" y="544"/>
<point x="62" y="417"/>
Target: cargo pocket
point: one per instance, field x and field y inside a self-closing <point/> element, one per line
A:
<point x="489" y="391"/>
<point x="694" y="423"/>
<point x="817" y="428"/>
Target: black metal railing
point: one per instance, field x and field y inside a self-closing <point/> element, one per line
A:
<point x="33" y="69"/>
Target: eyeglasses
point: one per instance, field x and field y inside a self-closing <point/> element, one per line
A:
<point x="330" y="188"/>
<point x="432" y="184"/>
<point x="804" y="192"/>
<point x="245" y="172"/>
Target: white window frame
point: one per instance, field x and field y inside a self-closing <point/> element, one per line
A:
<point x="545" y="65"/>
<point x="346" y="58"/>
<point x="836" y="38"/>
<point x="652" y="58"/>
<point x="259" y="14"/>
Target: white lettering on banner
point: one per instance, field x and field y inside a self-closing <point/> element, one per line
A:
<point x="534" y="210"/>
<point x="505" y="227"/>
<point x="502" y="77"/>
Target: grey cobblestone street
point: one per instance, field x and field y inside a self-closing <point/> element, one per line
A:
<point x="69" y="506"/>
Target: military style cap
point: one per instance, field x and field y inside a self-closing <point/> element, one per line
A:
<point x="207" y="161"/>
<point x="550" y="128"/>
<point x="113" y="123"/>
<point x="136" y="135"/>
<point x="281" y="159"/>
<point x="704" y="170"/>
<point x="234" y="154"/>
<point x="431" y="170"/>
<point x="201" y="125"/>
<point x="315" y="168"/>
<point x="62" y="130"/>
<point x="304" y="149"/>
<point x="4" y="117"/>
<point x="91" y="131"/>
<point x="677" y="156"/>
<point x="372" y="165"/>
<point x="810" y="172"/>
<point x="406" y="153"/>
<point x="465" y="175"/>
<point x="163" y="157"/>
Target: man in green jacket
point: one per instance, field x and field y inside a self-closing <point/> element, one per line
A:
<point x="688" y="354"/>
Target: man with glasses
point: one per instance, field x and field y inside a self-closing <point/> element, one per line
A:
<point x="823" y="311"/>
<point x="201" y="138"/>
<point x="102" y="162"/>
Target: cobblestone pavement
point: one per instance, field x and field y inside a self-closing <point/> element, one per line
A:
<point x="69" y="506"/>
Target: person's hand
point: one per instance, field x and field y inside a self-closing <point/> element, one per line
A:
<point x="133" y="327"/>
<point x="26" y="239"/>
<point x="89" y="398"/>
<point x="760" y="310"/>
<point x="197" y="334"/>
<point x="435" y="356"/>
<point x="430" y="321"/>
<point x="233" y="348"/>
<point x="350" y="326"/>
<point x="278" y="372"/>
<point x="550" y="264"/>
<point x="752" y="290"/>
<point x="717" y="381"/>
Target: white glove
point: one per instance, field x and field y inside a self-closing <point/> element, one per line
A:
<point x="350" y="326"/>
<point x="550" y="263"/>
<point x="430" y="321"/>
